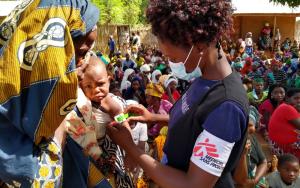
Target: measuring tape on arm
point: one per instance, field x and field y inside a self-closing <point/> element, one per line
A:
<point x="121" y="118"/>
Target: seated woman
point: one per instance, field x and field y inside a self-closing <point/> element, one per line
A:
<point x="253" y="163"/>
<point x="170" y="85"/>
<point x="126" y="80"/>
<point x="155" y="76"/>
<point x="276" y="96"/>
<point x="284" y="125"/>
<point x="136" y="92"/>
<point x="156" y="105"/>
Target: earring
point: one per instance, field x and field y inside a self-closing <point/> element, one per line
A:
<point x="218" y="46"/>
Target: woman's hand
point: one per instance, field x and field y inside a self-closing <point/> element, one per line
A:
<point x="80" y="68"/>
<point x="141" y="114"/>
<point x="247" y="147"/>
<point x="121" y="135"/>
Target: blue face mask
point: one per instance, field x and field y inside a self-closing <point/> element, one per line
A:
<point x="179" y="70"/>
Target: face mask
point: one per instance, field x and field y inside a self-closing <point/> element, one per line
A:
<point x="179" y="70"/>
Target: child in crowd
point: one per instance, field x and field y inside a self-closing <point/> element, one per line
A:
<point x="287" y="175"/>
<point x="258" y="95"/>
<point x="96" y="108"/>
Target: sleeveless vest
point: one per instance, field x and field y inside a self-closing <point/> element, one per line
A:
<point x="183" y="134"/>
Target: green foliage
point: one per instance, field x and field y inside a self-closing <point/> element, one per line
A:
<point x="291" y="3"/>
<point x="130" y="12"/>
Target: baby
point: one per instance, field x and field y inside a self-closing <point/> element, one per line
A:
<point x="95" y="109"/>
<point x="86" y="124"/>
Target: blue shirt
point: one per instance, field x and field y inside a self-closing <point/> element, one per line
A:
<point x="128" y="64"/>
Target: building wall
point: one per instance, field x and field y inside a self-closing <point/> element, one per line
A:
<point x="298" y="31"/>
<point x="254" y="24"/>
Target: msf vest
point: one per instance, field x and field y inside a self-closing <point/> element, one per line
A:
<point x="183" y="134"/>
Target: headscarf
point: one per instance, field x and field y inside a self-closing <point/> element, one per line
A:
<point x="154" y="74"/>
<point x="254" y="116"/>
<point x="125" y="83"/>
<point x="163" y="78"/>
<point x="170" y="80"/>
<point x="38" y="83"/>
<point x="155" y="90"/>
<point x="145" y="68"/>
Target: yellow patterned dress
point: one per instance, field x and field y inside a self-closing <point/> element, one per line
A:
<point x="38" y="86"/>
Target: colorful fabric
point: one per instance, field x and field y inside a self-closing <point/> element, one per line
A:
<point x="140" y="61"/>
<point x="37" y="78"/>
<point x="255" y="100"/>
<point x="160" y="142"/>
<point x="278" y="77"/>
<point x="154" y="90"/>
<point x="50" y="166"/>
<point x="84" y="131"/>
<point x="88" y="132"/>
<point x="164" y="108"/>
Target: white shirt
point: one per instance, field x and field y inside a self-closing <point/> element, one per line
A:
<point x="139" y="133"/>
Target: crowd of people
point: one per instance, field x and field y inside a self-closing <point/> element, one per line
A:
<point x="183" y="115"/>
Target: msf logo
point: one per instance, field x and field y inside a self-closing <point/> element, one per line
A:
<point x="205" y="148"/>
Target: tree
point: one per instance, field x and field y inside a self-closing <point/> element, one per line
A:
<point x="111" y="11"/>
<point x="130" y="12"/>
<point x="291" y="3"/>
<point x="132" y="9"/>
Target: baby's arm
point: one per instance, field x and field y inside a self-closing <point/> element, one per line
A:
<point x="111" y="106"/>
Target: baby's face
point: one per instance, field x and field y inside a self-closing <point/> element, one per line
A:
<point x="95" y="83"/>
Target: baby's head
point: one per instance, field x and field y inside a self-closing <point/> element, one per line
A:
<point x="95" y="80"/>
<point x="288" y="167"/>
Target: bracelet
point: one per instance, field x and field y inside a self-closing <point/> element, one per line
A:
<point x="121" y="118"/>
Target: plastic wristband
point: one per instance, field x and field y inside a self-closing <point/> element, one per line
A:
<point x="121" y="118"/>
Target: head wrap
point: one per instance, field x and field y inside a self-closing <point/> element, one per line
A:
<point x="145" y="68"/>
<point x="125" y="83"/>
<point x="154" y="90"/>
<point x="154" y="74"/>
<point x="170" y="80"/>
<point x="90" y="17"/>
<point x="254" y="116"/>
<point x="259" y="80"/>
<point x="163" y="78"/>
